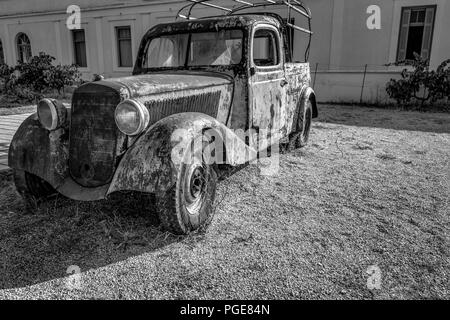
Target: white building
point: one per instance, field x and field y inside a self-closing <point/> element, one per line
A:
<point x="343" y="46"/>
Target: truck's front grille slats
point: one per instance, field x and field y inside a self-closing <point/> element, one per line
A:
<point x="207" y="103"/>
<point x="93" y="135"/>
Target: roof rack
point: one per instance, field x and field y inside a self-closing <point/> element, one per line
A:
<point x="240" y="5"/>
<point x="234" y="6"/>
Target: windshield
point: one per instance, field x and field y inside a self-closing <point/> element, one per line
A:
<point x="221" y="48"/>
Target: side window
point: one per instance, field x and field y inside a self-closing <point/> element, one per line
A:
<point x="266" y="48"/>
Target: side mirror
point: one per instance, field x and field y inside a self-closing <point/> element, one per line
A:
<point x="252" y="71"/>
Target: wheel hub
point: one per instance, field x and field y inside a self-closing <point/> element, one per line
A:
<point x="195" y="188"/>
<point x="197" y="184"/>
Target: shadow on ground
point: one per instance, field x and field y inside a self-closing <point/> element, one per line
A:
<point x="40" y="246"/>
<point x="356" y="198"/>
<point x="385" y="118"/>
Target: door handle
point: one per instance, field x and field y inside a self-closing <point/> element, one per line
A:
<point x="284" y="83"/>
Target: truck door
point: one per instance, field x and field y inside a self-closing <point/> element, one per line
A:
<point x="267" y="83"/>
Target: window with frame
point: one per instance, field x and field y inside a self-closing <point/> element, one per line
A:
<point x="124" y="47"/>
<point x="416" y="32"/>
<point x="216" y="48"/>
<point x="23" y="48"/>
<point x="2" y="56"/>
<point x="266" y="48"/>
<point x="79" y="48"/>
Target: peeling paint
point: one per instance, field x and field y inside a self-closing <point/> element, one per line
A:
<point x="37" y="151"/>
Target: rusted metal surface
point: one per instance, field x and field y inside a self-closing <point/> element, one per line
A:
<point x="92" y="158"/>
<point x="149" y="166"/>
<point x="299" y="79"/>
<point x="40" y="152"/>
<point x="165" y="82"/>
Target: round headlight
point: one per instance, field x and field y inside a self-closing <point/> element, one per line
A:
<point x="51" y="114"/>
<point x="132" y="117"/>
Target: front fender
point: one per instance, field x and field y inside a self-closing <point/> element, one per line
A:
<point x="40" y="152"/>
<point x="309" y="94"/>
<point x="152" y="163"/>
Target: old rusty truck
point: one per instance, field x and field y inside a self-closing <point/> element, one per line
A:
<point x="196" y="82"/>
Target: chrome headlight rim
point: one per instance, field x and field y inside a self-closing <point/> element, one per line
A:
<point x="144" y="116"/>
<point x="51" y="105"/>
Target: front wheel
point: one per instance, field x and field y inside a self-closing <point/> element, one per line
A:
<point x="188" y="205"/>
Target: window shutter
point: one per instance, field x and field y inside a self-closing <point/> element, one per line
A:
<point x="404" y="32"/>
<point x="427" y="33"/>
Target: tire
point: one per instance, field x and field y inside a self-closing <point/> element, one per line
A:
<point x="300" y="139"/>
<point x="305" y="122"/>
<point x="32" y="188"/>
<point x="188" y="206"/>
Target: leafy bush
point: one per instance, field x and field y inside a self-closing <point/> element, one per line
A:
<point x="60" y="76"/>
<point x="440" y="87"/>
<point x="7" y="78"/>
<point x="33" y="73"/>
<point x="27" y="81"/>
<point x="421" y="84"/>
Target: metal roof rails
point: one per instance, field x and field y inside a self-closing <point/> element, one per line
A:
<point x="240" y="5"/>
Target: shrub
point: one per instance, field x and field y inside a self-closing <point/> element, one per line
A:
<point x="27" y="81"/>
<point x="440" y="87"/>
<point x="60" y="76"/>
<point x="421" y="84"/>
<point x="33" y="73"/>
<point x="7" y="78"/>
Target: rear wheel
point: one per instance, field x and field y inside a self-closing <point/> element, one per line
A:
<point x="32" y="188"/>
<point x="300" y="138"/>
<point x="188" y="205"/>
<point x="305" y="121"/>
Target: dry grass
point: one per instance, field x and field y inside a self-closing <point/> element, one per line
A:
<point x="371" y="189"/>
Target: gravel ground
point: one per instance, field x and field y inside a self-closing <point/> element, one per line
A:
<point x="371" y="190"/>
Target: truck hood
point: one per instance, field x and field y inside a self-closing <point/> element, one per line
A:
<point x="169" y="82"/>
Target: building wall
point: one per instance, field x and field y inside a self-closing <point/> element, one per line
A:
<point x="342" y="44"/>
<point x="46" y="27"/>
<point x="353" y="46"/>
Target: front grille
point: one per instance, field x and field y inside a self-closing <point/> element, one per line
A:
<point x="207" y="103"/>
<point x="93" y="135"/>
